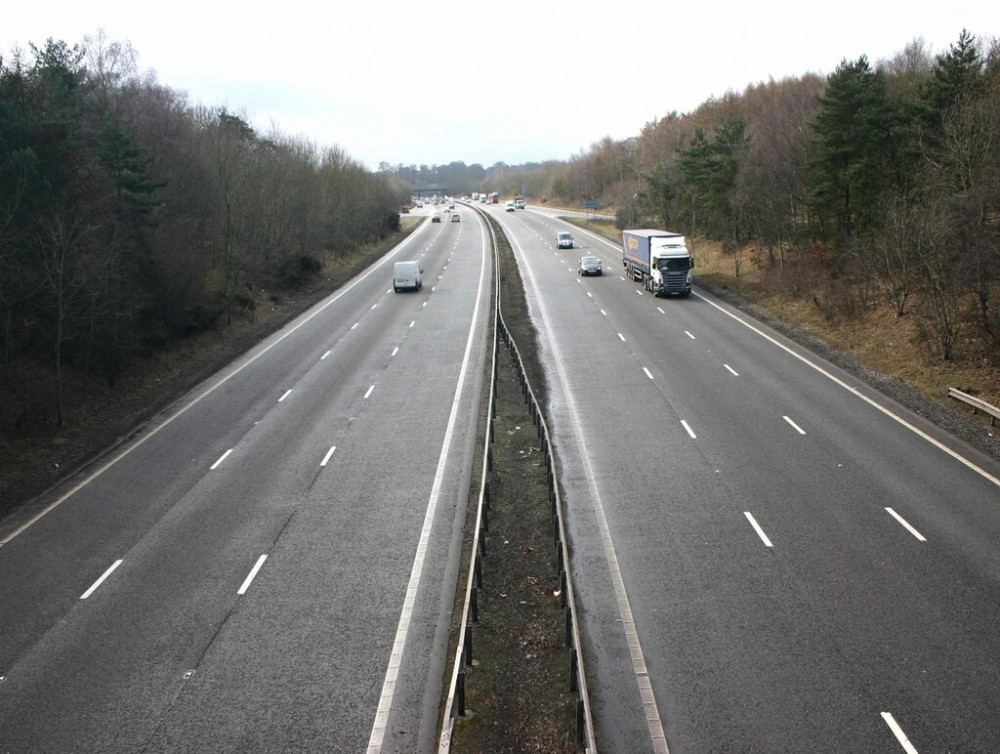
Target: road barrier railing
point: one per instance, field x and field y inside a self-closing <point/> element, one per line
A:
<point x="455" y="703"/>
<point x="978" y="404"/>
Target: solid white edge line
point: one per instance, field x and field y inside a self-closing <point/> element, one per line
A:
<point x="651" y="713"/>
<point x="327" y="456"/>
<point x="794" y="425"/>
<point x="731" y="370"/>
<point x="287" y="393"/>
<point x="250" y="576"/>
<point x="369" y="391"/>
<point x="221" y="459"/>
<point x="906" y="525"/>
<point x="93" y="587"/>
<point x="687" y="427"/>
<point x="756" y="528"/>
<point x="307" y="318"/>
<point x="405" y="616"/>
<point x="854" y="391"/>
<point x="898" y="733"/>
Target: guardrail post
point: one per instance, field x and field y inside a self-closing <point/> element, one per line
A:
<point x="475" y="605"/>
<point x="580" y="725"/>
<point x="468" y="646"/>
<point x="478" y="574"/>
<point x="569" y="628"/>
<point x="460" y="693"/>
<point x="562" y="585"/>
<point x="573" y="670"/>
<point x="482" y="542"/>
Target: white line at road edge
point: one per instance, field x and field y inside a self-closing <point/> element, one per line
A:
<point x="650" y="712"/>
<point x="756" y="528"/>
<point x="898" y="733"/>
<point x="874" y="404"/>
<point x="250" y="576"/>
<point x="399" y="644"/>
<point x="319" y="310"/>
<point x="100" y="581"/>
<point x="906" y="525"/>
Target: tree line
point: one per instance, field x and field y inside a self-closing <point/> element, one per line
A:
<point x="884" y="176"/>
<point x="130" y="218"/>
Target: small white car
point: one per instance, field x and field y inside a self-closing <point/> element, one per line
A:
<point x="509" y="206"/>
<point x="456" y="218"/>
<point x="407" y="276"/>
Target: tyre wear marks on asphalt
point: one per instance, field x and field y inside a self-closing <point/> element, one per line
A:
<point x="758" y="529"/>
<point x="906" y="525"/>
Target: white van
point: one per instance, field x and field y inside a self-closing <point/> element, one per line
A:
<point x="564" y="240"/>
<point x="407" y="275"/>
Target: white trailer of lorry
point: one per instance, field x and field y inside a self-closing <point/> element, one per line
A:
<point x="658" y="259"/>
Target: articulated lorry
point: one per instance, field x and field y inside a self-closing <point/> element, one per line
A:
<point x="659" y="260"/>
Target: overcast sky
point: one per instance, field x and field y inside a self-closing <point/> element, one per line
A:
<point x="485" y="81"/>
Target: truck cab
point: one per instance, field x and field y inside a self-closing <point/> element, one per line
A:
<point x="519" y="202"/>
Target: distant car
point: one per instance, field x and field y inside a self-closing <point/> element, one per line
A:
<point x="436" y="218"/>
<point x="589" y="266"/>
<point x="456" y="218"/>
<point x="509" y="206"/>
<point x="451" y="205"/>
<point x="564" y="240"/>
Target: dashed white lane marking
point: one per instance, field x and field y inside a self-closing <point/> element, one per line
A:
<point x="648" y="373"/>
<point x="898" y="733"/>
<point x="394" y="352"/>
<point x="324" y="355"/>
<point x="221" y="459"/>
<point x="604" y="313"/>
<point x="287" y="393"/>
<point x="690" y="335"/>
<point x="906" y="525"/>
<point x="355" y="325"/>
<point x="327" y="456"/>
<point x="369" y="391"/>
<point x="756" y="528"/>
<point x="794" y="425"/>
<point x="874" y="404"/>
<point x="621" y="337"/>
<point x="413" y="323"/>
<point x="687" y="428"/>
<point x="732" y="371"/>
<point x="250" y="576"/>
<point x="93" y="587"/>
<point x="660" y="310"/>
<point x="403" y="628"/>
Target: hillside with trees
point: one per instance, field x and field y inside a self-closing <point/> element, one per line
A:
<point x="877" y="185"/>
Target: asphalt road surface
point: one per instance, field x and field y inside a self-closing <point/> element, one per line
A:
<point x="272" y="566"/>
<point x="768" y="555"/>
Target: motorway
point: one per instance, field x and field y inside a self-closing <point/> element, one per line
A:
<point x="768" y="555"/>
<point x="271" y="565"/>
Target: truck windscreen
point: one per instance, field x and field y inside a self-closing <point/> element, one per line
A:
<point x="675" y="264"/>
